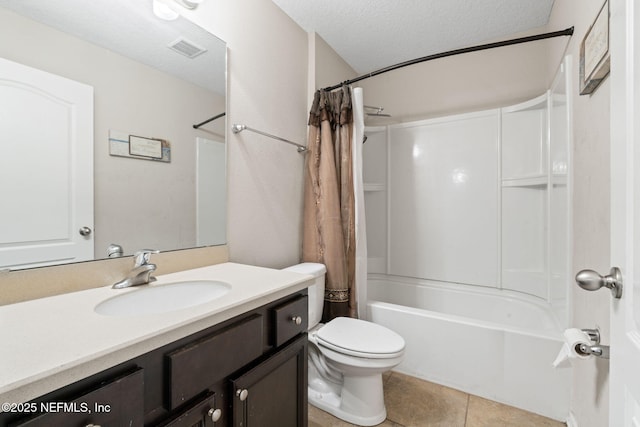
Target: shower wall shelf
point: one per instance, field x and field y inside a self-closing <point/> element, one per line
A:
<point x="524" y="197"/>
<point x="375" y="196"/>
<point x="535" y="181"/>
<point x="374" y="186"/>
<point x="559" y="179"/>
<point x="527" y="181"/>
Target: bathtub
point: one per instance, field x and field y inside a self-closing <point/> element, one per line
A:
<point x="495" y="344"/>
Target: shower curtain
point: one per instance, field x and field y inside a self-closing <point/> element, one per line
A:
<point x="329" y="235"/>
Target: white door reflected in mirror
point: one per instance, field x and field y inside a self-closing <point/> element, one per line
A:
<point x="48" y="216"/>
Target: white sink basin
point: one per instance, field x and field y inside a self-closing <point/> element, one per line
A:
<point x="156" y="299"/>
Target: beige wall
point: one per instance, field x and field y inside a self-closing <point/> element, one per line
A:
<point x="329" y="68"/>
<point x="267" y="90"/>
<point x="462" y="83"/>
<point x="591" y="219"/>
<point x="24" y="285"/>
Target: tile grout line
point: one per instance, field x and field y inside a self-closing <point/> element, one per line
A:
<point x="386" y="380"/>
<point x="467" y="418"/>
<point x="466" y="410"/>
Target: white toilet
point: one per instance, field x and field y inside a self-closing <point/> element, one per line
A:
<point x="346" y="359"/>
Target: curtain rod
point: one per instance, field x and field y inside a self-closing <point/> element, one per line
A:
<point x="209" y="120"/>
<point x="567" y="32"/>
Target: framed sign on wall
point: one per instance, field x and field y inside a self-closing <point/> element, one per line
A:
<point x="594" y="53"/>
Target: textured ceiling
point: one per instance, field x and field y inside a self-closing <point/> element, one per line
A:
<point x="129" y="28"/>
<point x="373" y="34"/>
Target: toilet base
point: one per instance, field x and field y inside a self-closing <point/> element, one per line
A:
<point x="364" y="408"/>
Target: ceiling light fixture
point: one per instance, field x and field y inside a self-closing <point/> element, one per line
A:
<point x="170" y="10"/>
<point x="164" y="10"/>
<point x="189" y="4"/>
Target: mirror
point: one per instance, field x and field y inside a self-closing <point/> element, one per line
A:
<point x="142" y="88"/>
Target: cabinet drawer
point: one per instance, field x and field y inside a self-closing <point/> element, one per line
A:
<point x="196" y="366"/>
<point x="290" y="319"/>
<point x="116" y="403"/>
<point x="201" y="414"/>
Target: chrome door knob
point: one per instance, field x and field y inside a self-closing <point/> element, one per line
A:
<point x="592" y="281"/>
<point x="214" y="414"/>
<point x="84" y="231"/>
<point x="242" y="394"/>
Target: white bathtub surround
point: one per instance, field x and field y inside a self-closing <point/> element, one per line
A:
<point x="468" y="214"/>
<point x="443" y="198"/>
<point x="481" y="198"/>
<point x="495" y="344"/>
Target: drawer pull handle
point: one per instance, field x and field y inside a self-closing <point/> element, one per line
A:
<point x="215" y="414"/>
<point x="297" y="320"/>
<point x="93" y="425"/>
<point x="242" y="394"/>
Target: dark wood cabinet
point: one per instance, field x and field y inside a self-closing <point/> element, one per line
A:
<point x="199" y="364"/>
<point x="202" y="413"/>
<point x="284" y="375"/>
<point x="198" y="381"/>
<point x="116" y="403"/>
<point x="290" y="319"/>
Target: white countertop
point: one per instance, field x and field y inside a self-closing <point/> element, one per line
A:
<point x="50" y="342"/>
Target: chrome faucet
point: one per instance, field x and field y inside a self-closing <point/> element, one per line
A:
<point x="141" y="272"/>
<point x="114" y="251"/>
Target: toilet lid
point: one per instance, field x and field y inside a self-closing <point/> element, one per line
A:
<point x="360" y="338"/>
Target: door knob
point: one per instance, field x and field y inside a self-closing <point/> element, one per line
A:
<point x="592" y="281"/>
<point x="242" y="394"/>
<point x="84" y="231"/>
<point x="214" y="414"/>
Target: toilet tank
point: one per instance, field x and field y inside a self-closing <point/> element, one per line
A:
<point x="316" y="290"/>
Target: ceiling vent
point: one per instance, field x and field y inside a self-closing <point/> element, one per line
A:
<point x="186" y="47"/>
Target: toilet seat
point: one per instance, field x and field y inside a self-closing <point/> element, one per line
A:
<point x="360" y="338"/>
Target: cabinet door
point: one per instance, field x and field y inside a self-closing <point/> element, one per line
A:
<point x="274" y="393"/>
<point x="117" y="403"/>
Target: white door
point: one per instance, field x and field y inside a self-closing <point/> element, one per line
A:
<point x="625" y="213"/>
<point x="46" y="168"/>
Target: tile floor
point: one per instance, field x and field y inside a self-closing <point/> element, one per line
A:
<point x="412" y="402"/>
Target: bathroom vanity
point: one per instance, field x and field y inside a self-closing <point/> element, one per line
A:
<point x="238" y="360"/>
